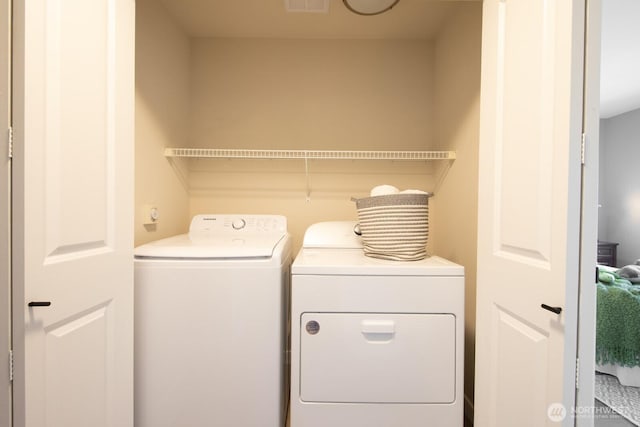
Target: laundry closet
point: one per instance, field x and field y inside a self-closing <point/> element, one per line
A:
<point x="255" y="76"/>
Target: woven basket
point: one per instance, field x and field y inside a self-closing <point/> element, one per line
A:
<point x="395" y="226"/>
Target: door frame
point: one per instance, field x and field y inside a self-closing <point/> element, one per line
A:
<point x="585" y="387"/>
<point x="5" y="216"/>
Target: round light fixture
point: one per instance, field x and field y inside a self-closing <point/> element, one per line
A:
<point x="369" y="7"/>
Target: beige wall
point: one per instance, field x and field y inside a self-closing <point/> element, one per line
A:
<point x="162" y="91"/>
<point x="311" y="94"/>
<point x="307" y="94"/>
<point x="457" y="58"/>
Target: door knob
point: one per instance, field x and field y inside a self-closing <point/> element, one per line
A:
<point x="556" y="310"/>
<point x="39" y="303"/>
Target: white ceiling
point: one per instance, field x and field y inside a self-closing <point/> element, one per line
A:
<point x="409" y="19"/>
<point x="620" y="68"/>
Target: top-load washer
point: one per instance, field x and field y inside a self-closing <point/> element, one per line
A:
<point x="374" y="343"/>
<point x="210" y="324"/>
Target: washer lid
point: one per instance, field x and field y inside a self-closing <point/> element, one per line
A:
<point x="210" y="247"/>
<point x="221" y="237"/>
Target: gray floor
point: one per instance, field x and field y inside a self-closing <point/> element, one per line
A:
<point x="604" y="417"/>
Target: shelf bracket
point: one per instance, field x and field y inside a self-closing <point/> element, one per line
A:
<point x="307" y="178"/>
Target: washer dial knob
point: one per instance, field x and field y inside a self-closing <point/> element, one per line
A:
<point x="238" y="224"/>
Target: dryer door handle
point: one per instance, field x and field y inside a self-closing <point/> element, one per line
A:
<point x="376" y="330"/>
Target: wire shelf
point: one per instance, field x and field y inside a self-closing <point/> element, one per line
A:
<point x="308" y="154"/>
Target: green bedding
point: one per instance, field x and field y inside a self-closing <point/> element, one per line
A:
<point x="617" y="321"/>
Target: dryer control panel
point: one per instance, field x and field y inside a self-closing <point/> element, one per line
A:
<point x="227" y="223"/>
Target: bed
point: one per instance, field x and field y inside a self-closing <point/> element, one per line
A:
<point x="618" y="323"/>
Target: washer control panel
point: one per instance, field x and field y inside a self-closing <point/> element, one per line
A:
<point x="253" y="224"/>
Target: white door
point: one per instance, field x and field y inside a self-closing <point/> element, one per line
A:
<point x="5" y="170"/>
<point x="529" y="211"/>
<point x="73" y="212"/>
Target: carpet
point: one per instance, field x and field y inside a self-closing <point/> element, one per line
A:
<point x="624" y="400"/>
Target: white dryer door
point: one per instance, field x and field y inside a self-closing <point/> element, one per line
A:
<point x="377" y="358"/>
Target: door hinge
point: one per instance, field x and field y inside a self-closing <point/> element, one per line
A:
<point x="577" y="373"/>
<point x="10" y="143"/>
<point x="11" y="365"/>
<point x="583" y="143"/>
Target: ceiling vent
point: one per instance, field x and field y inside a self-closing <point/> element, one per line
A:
<point x="312" y="6"/>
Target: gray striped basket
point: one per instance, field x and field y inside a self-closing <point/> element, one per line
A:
<point x="395" y="226"/>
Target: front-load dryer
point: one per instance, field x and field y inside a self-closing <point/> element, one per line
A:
<point x="210" y="324"/>
<point x="374" y="343"/>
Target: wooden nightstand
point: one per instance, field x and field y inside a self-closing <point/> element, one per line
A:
<point x="607" y="253"/>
